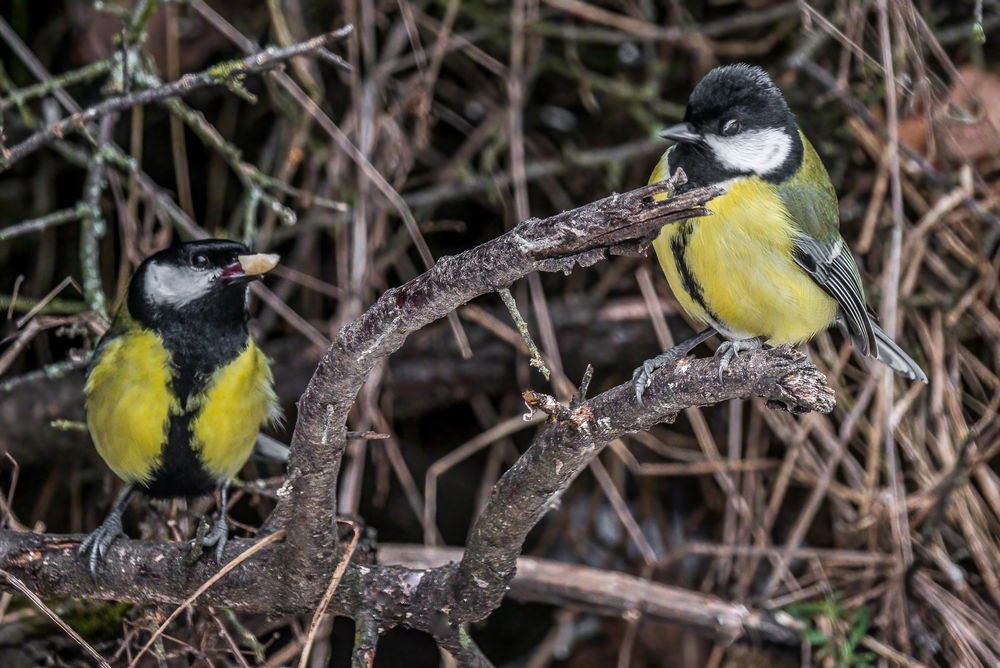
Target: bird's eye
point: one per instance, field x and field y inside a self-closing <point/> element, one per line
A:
<point x="199" y="261"/>
<point x="730" y="127"/>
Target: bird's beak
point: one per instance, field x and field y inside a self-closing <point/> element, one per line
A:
<point x="249" y="268"/>
<point x="682" y="132"/>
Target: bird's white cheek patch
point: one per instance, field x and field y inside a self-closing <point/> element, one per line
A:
<point x="757" y="151"/>
<point x="176" y="286"/>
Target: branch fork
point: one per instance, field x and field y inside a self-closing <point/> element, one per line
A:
<point x="292" y="575"/>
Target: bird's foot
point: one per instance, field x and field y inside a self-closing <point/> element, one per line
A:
<point x="98" y="542"/>
<point x="728" y="350"/>
<point x="217" y="536"/>
<point x="644" y="374"/>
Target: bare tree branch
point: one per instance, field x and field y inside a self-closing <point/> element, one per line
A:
<point x="611" y="593"/>
<point x="307" y="505"/>
<point x="539" y="477"/>
<point x="223" y="74"/>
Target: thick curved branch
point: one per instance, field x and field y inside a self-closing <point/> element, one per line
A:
<point x="539" y="477"/>
<point x="307" y="504"/>
<point x="307" y="501"/>
<point x="142" y="568"/>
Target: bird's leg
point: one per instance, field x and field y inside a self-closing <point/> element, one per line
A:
<point x="98" y="542"/>
<point x="727" y="350"/>
<point x="643" y="374"/>
<point x="219" y="533"/>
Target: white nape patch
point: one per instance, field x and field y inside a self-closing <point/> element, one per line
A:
<point x="171" y="285"/>
<point x="757" y="151"/>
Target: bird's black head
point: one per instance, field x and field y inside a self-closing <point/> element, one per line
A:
<point x="736" y="124"/>
<point x="196" y="286"/>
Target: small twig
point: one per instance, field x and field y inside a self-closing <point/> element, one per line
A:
<point x="68" y="425"/>
<point x="463" y="648"/>
<point x="367" y="435"/>
<point x="978" y="32"/>
<point x="18" y="304"/>
<point x="365" y="642"/>
<point x="18" y="282"/>
<point x="83" y="74"/>
<point x="141" y="15"/>
<point x="42" y="223"/>
<point x="899" y="519"/>
<point x="522" y="328"/>
<point x="217" y="75"/>
<point x="234" y="649"/>
<point x="54" y="370"/>
<point x="94" y="226"/>
<point x="248" y="639"/>
<point x="550" y="405"/>
<point x="9" y="519"/>
<point x="42" y="303"/>
<point x="334" y="59"/>
<point x="251" y="202"/>
<point x="581" y="393"/>
<point x="40" y="604"/>
<point x="24" y="336"/>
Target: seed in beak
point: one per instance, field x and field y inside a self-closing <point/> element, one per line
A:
<point x="258" y="263"/>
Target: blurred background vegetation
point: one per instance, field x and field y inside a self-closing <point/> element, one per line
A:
<point x="459" y="118"/>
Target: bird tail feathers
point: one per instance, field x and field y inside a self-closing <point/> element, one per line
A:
<point x="890" y="354"/>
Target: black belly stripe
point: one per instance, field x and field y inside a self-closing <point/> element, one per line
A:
<point x="180" y="472"/>
<point x="678" y="246"/>
<point x="197" y="349"/>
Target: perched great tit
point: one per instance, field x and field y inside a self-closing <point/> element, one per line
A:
<point x="177" y="389"/>
<point x="769" y="266"/>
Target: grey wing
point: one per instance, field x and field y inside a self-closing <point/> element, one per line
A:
<point x="832" y="266"/>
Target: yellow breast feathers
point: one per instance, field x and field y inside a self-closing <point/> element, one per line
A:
<point x="129" y="403"/>
<point x="239" y="399"/>
<point x="735" y="270"/>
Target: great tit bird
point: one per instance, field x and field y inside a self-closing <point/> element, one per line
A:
<point x="769" y="266"/>
<point x="177" y="389"/>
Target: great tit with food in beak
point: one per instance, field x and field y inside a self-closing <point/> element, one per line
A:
<point x="177" y="389"/>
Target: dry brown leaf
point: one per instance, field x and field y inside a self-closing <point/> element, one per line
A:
<point x="967" y="123"/>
